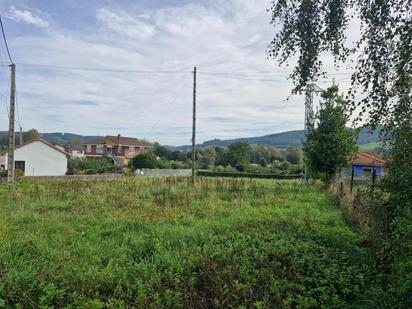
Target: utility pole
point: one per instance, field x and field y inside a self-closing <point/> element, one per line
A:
<point x="194" y="130"/>
<point x="12" y="133"/>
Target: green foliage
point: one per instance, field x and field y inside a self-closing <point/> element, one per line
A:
<point x="207" y="157"/>
<point x="158" y="243"/>
<point x="166" y="154"/>
<point x="294" y="155"/>
<point x="382" y="77"/>
<point x="239" y="154"/>
<point x="90" y="166"/>
<point x="247" y="175"/>
<point x="30" y="135"/>
<point x="145" y="160"/>
<point x="150" y="160"/>
<point x="329" y="145"/>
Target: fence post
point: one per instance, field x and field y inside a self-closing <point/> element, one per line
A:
<point x="351" y="179"/>
<point x="373" y="178"/>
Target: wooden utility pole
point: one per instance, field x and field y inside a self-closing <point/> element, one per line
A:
<point x="12" y="133"/>
<point x="194" y="130"/>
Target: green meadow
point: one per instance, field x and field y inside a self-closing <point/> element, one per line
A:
<point x="157" y="243"/>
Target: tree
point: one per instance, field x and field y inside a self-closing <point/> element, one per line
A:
<point x="221" y="156"/>
<point x="382" y="79"/>
<point x="293" y="155"/>
<point x="30" y="135"/>
<point x="330" y="145"/>
<point x="145" y="160"/>
<point x="208" y="157"/>
<point x="239" y="154"/>
<point x="161" y="151"/>
<point x="75" y="144"/>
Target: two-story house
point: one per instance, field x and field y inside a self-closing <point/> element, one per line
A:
<point x="119" y="148"/>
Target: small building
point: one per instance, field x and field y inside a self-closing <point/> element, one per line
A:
<point x="37" y="158"/>
<point x="119" y="148"/>
<point x="364" y="163"/>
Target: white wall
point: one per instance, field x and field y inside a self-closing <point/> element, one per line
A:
<point x="3" y="161"/>
<point x="41" y="160"/>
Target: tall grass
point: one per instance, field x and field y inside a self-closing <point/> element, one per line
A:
<point x="157" y="243"/>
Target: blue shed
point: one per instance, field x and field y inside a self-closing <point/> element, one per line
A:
<point x="365" y="163"/>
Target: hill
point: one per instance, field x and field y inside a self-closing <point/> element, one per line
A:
<point x="54" y="138"/>
<point x="285" y="139"/>
<point x="278" y="140"/>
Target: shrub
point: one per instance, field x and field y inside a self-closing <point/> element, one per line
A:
<point x="246" y="175"/>
<point x="145" y="160"/>
<point x="99" y="166"/>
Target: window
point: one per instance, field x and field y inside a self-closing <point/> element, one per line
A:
<point x="131" y="150"/>
<point x="20" y="165"/>
<point x="88" y="148"/>
<point x="142" y="149"/>
<point x="119" y="149"/>
<point x="367" y="171"/>
<point x="99" y="149"/>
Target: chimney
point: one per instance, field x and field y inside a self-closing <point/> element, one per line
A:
<point x="118" y="137"/>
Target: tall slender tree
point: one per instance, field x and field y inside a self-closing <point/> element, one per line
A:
<point x="330" y="144"/>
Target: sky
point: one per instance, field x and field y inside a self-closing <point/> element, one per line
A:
<point x="108" y="67"/>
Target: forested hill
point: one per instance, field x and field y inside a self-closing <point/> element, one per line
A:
<point x="285" y="139"/>
<point x="279" y="140"/>
<point x="56" y="138"/>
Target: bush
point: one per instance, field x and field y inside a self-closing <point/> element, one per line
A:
<point x="240" y="167"/>
<point x="84" y="166"/>
<point x="245" y="175"/>
<point x="145" y="160"/>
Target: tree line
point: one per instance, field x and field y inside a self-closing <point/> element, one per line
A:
<point x="239" y="156"/>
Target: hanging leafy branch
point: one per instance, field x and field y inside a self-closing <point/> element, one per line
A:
<point x="309" y="28"/>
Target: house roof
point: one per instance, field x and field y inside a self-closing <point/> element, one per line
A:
<point x="368" y="158"/>
<point x="38" y="140"/>
<point x="118" y="140"/>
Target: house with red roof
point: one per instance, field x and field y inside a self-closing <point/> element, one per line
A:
<point x="119" y="148"/>
<point x="365" y="162"/>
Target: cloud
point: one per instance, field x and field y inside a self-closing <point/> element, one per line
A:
<point x="27" y="17"/>
<point x="125" y="24"/>
<point x="229" y="37"/>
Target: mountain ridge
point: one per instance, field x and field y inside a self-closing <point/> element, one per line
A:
<point x="280" y="140"/>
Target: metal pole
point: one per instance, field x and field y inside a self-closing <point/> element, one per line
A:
<point x="194" y="129"/>
<point x="12" y="133"/>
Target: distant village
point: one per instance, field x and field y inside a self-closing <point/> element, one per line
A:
<point x="35" y="156"/>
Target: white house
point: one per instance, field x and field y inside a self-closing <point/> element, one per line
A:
<point x="38" y="158"/>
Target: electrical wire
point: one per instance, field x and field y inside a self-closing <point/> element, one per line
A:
<point x="5" y="40"/>
<point x="73" y="68"/>
<point x="171" y="102"/>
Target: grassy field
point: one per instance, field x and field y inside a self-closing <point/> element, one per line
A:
<point x="370" y="146"/>
<point x="156" y="243"/>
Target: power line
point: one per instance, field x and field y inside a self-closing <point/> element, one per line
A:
<point x="284" y="80"/>
<point x="73" y="68"/>
<point x="172" y="102"/>
<point x="5" y="41"/>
